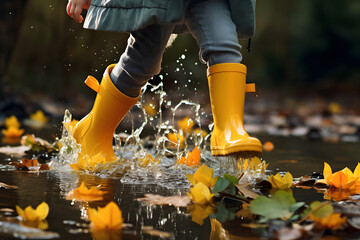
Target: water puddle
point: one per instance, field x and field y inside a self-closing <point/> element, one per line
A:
<point x="134" y="175"/>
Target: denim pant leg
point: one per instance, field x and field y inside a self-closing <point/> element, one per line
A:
<point x="211" y="25"/>
<point x="141" y="59"/>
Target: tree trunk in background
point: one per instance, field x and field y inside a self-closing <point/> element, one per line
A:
<point x="11" y="17"/>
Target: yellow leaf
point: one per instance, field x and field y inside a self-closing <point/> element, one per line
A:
<point x="199" y="212"/>
<point x="200" y="132"/>
<point x="85" y="194"/>
<point x="108" y="217"/>
<point x="42" y="211"/>
<point x="280" y="182"/>
<point x="12" y="122"/>
<point x="333" y="221"/>
<point x="203" y="174"/>
<point x="344" y="179"/>
<point x="12" y="132"/>
<point x="357" y="171"/>
<point x="186" y="124"/>
<point x="39" y="116"/>
<point x="175" y="137"/>
<point x="327" y="170"/>
<point x="148" y="159"/>
<point x="200" y="193"/>
<point x="29" y="214"/>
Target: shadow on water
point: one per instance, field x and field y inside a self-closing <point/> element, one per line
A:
<point x="297" y="155"/>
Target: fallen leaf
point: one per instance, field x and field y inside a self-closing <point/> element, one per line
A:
<point x="305" y="182"/>
<point x="30" y="162"/>
<point x="18" y="150"/>
<point x="149" y="230"/>
<point x="44" y="167"/>
<point x="287" y="161"/>
<point x="85" y="194"/>
<point x="288" y="234"/>
<point x="12" y="121"/>
<point x="177" y="201"/>
<point x="203" y="174"/>
<point x="199" y="212"/>
<point x="281" y="205"/>
<point x="4" y="185"/>
<point x="106" y="218"/>
<point x="23" y="232"/>
<point x="200" y="193"/>
<point x="19" y="166"/>
<point x="245" y="191"/>
<point x="281" y="182"/>
<point x="7" y="210"/>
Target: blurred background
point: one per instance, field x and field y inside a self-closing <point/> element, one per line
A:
<point x="303" y="49"/>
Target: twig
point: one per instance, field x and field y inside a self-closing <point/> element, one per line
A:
<point x="312" y="211"/>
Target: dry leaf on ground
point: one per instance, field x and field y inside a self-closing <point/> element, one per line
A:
<point x="19" y="150"/>
<point x="4" y="185"/>
<point x="177" y="201"/>
<point x="149" y="230"/>
<point x="245" y="191"/>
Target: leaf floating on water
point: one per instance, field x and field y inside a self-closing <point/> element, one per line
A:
<point x="4" y="185"/>
<point x="30" y="162"/>
<point x="149" y="230"/>
<point x="19" y="166"/>
<point x="108" y="217"/>
<point x="44" y="167"/>
<point x="245" y="191"/>
<point x="305" y="182"/>
<point x="281" y="205"/>
<point x="199" y="212"/>
<point x="18" y="150"/>
<point x="177" y="201"/>
<point x="85" y="194"/>
<point x="23" y="232"/>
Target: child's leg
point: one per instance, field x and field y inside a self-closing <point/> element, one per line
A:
<point x="211" y="24"/>
<point x="141" y="59"/>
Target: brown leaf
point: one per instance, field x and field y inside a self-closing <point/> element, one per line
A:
<point x="305" y="182"/>
<point x="4" y="185"/>
<point x="30" y="162"/>
<point x="153" y="232"/>
<point x="44" y="167"/>
<point x="18" y="151"/>
<point x="7" y="210"/>
<point x="289" y="234"/>
<point x="245" y="191"/>
<point x="287" y="161"/>
<point x="177" y="201"/>
<point x="19" y="166"/>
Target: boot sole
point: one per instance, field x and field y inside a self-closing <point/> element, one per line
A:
<point x="242" y="151"/>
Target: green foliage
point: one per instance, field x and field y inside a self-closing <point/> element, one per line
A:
<point x="232" y="179"/>
<point x="321" y="211"/>
<point x="221" y="185"/>
<point x="224" y="213"/>
<point x="281" y="205"/>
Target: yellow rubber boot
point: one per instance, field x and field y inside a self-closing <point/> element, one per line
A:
<point x="95" y="131"/>
<point x="227" y="87"/>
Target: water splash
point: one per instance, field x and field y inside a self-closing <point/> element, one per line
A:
<point x="133" y="149"/>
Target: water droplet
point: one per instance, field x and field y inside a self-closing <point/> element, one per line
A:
<point x="177" y="69"/>
<point x="175" y="81"/>
<point x="196" y="63"/>
<point x="183" y="56"/>
<point x="189" y="80"/>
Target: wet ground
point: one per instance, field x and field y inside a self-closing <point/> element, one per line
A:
<point x="298" y="155"/>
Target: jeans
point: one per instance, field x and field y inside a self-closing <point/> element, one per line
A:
<point x="210" y="24"/>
